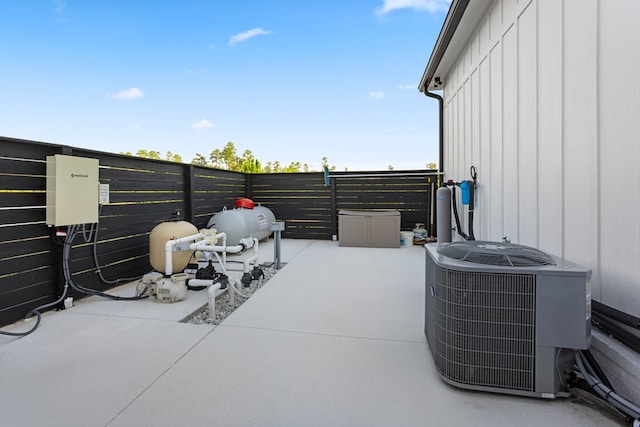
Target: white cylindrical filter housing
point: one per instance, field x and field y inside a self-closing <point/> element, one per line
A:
<point x="241" y="222"/>
<point x="443" y="212"/>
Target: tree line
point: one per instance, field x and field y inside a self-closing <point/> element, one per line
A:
<point x="227" y="158"/>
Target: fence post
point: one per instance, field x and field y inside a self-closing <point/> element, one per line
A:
<point x="65" y="150"/>
<point x="189" y="214"/>
<point x="248" y="185"/>
<point x="334" y="210"/>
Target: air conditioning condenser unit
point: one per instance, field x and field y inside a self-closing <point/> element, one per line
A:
<point x="505" y="318"/>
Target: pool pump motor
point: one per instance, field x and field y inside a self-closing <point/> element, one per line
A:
<point x="166" y="289"/>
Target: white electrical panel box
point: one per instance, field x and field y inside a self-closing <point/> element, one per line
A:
<point x="72" y="190"/>
<point x="104" y="194"/>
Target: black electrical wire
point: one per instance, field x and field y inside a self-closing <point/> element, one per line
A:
<point x="67" y="243"/>
<point x="590" y="394"/>
<point x="470" y="226"/>
<point x="624" y="405"/>
<point x="598" y="372"/>
<point x="37" y="310"/>
<point x="69" y="277"/>
<point x="454" y="202"/>
<point x="33" y="328"/>
<point x="97" y="263"/>
<point x="93" y="292"/>
<point x="610" y="327"/>
<point x="472" y="190"/>
<point x="617" y="315"/>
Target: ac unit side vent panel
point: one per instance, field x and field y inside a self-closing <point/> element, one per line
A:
<point x="485" y="328"/>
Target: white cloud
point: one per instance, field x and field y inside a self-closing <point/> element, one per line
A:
<point x="127" y="94"/>
<point x="431" y="6"/>
<point x="59" y="6"/>
<point x="240" y="37"/>
<point x="202" y="124"/>
<point x="376" y="95"/>
<point x="408" y="87"/>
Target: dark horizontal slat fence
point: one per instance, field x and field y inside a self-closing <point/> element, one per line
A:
<point x="142" y="194"/>
<point x="407" y="192"/>
<point x="299" y="199"/>
<point x="212" y="190"/>
<point x="145" y="192"/>
<point x="28" y="264"/>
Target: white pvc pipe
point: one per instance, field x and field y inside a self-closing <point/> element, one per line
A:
<point x="214" y="248"/>
<point x="231" y="279"/>
<point x="253" y="258"/>
<point x="212" y="299"/>
<point x="244" y="244"/>
<point x="223" y="239"/>
<point x="200" y="239"/>
<point x="247" y="263"/>
<point x="168" y="250"/>
<point x="234" y="289"/>
<point x="201" y="245"/>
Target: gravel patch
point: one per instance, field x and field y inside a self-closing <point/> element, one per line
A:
<point x="223" y="307"/>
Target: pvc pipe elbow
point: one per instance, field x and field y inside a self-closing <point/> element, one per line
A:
<point x="211" y="291"/>
<point x="168" y="258"/>
<point x="168" y="249"/>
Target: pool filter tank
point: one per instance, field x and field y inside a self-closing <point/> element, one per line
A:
<point x="160" y="235"/>
<point x="244" y="220"/>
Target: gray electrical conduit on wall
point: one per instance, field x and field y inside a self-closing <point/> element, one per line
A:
<point x="67" y="244"/>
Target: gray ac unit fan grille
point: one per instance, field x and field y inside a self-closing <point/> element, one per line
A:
<point x="492" y="253"/>
<point x="485" y="328"/>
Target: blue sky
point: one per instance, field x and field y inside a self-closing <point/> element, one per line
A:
<point x="289" y="80"/>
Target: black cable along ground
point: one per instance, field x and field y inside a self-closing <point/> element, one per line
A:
<point x="73" y="230"/>
<point x="597" y="384"/>
<point x="68" y="280"/>
<point x="37" y="310"/>
<point x="620" y="326"/>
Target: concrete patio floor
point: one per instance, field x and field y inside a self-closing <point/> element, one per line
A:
<point x="335" y="338"/>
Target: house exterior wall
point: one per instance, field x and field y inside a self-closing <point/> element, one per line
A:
<point x="545" y="102"/>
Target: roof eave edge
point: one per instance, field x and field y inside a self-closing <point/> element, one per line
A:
<point x="451" y="22"/>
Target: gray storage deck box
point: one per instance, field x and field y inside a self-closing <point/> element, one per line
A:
<point x="369" y="229"/>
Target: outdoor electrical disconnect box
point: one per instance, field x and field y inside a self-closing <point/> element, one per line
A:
<point x="72" y="190"/>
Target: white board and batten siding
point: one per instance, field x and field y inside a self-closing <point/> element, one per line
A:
<point x="545" y="102"/>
